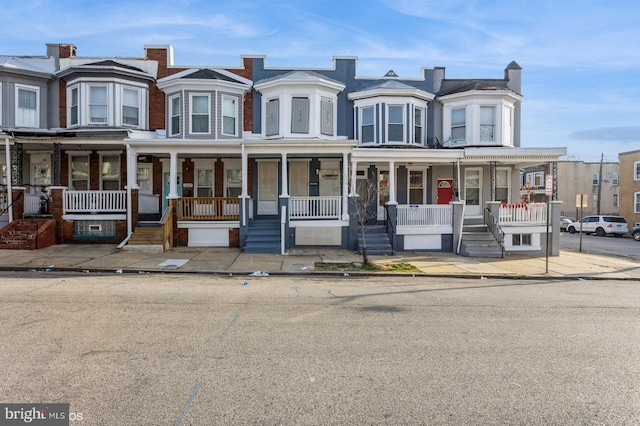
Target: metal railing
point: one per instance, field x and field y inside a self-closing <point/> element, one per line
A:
<point x="321" y="207"/>
<point x="208" y="208"/>
<point x="94" y="201"/>
<point x="421" y="215"/>
<point x="494" y="228"/>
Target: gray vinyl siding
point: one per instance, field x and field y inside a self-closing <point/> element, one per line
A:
<point x="9" y="100"/>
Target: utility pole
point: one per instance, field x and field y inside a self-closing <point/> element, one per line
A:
<point x="600" y="182"/>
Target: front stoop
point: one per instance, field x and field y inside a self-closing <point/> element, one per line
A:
<point x="377" y="239"/>
<point x="263" y="236"/>
<point x="478" y="242"/>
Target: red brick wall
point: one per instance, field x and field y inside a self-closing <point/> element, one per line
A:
<point x="157" y="176"/>
<point x="17" y="202"/>
<point x="157" y="104"/>
<point x="62" y="91"/>
<point x="234" y="237"/>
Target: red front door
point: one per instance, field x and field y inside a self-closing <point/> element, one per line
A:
<point x="445" y="191"/>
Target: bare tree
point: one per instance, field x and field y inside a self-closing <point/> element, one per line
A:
<point x="366" y="209"/>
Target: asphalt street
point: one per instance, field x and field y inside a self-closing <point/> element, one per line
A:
<point x="156" y="349"/>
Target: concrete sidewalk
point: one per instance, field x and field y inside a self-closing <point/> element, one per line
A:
<point x="108" y="259"/>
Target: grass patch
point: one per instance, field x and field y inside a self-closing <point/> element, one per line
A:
<point x="400" y="267"/>
<point x="359" y="266"/>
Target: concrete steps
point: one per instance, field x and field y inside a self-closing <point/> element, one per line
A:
<point x="377" y="240"/>
<point x="146" y="237"/>
<point x="477" y="241"/>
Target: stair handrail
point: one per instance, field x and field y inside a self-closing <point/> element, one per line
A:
<point x="492" y="224"/>
<point x="167" y="227"/>
<point x="390" y="227"/>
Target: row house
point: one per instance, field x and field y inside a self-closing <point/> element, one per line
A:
<point x="630" y="187"/>
<point x="267" y="159"/>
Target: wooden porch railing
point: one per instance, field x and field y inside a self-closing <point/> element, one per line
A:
<point x="421" y="215"/>
<point x="208" y="208"/>
<point x="167" y="228"/>
<point x="94" y="201"/>
<point x="321" y="207"/>
<point x="521" y="214"/>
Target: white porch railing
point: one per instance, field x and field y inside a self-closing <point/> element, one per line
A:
<point x="94" y="201"/>
<point x="324" y="207"/>
<point x="421" y="215"/>
<point x="32" y="203"/>
<point x="520" y="214"/>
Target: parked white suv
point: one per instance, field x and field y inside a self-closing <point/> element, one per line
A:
<point x="601" y="225"/>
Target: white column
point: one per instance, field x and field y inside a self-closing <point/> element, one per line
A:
<point x="392" y="183"/>
<point x="285" y="179"/>
<point x="9" y="178"/>
<point x="173" y="175"/>
<point x="245" y="173"/>
<point x="345" y="186"/>
<point x="131" y="180"/>
<point x="354" y="174"/>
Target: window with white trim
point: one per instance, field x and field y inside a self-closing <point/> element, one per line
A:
<point x="521" y="240"/>
<point x="300" y="115"/>
<point x="636" y="202"/>
<point x="502" y="185"/>
<point x="204" y="183"/>
<point x="595" y="179"/>
<point x="367" y="128"/>
<point x="395" y="123"/>
<point x="27" y="106"/>
<point x="79" y="164"/>
<point x="232" y="178"/>
<point x="174" y="115"/>
<point x="130" y="107"/>
<point x="616" y="200"/>
<point x="487" y="123"/>
<point x="144" y="178"/>
<point x="458" y="124"/>
<point x="417" y="126"/>
<point x="73" y="106"/>
<point x="110" y="172"/>
<point x="636" y="170"/>
<point x="229" y="116"/>
<point x="272" y="126"/>
<point x="534" y="179"/>
<point x="614" y="179"/>
<point x="326" y="116"/>
<point x="98" y="110"/>
<point x="200" y="113"/>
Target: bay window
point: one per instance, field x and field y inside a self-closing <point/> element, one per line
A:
<point x="174" y="115"/>
<point x="395" y="123"/>
<point x="299" y="115"/>
<point x="229" y="116"/>
<point x="458" y="124"/>
<point x="130" y="107"/>
<point x="200" y="115"/>
<point x="368" y="125"/>
<point x="73" y="107"/>
<point x="326" y="116"/>
<point x="273" y="117"/>
<point x="487" y="123"/>
<point x="98" y="105"/>
<point x="417" y="125"/>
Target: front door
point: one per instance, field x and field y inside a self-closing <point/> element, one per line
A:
<point x="267" y="187"/>
<point x="383" y="192"/>
<point x="40" y="171"/>
<point x="445" y="191"/>
<point x="473" y="192"/>
<point x="166" y="187"/>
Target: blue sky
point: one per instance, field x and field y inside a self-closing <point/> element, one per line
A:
<point x="580" y="58"/>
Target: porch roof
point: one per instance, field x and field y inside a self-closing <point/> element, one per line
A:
<point x="407" y="155"/>
<point x="515" y="156"/>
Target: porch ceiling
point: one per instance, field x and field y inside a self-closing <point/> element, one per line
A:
<point x="416" y="156"/>
<point x="513" y="156"/>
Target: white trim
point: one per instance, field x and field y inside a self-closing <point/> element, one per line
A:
<point x="171" y="114"/>
<point x="103" y="154"/>
<point x="0" y="104"/>
<point x="209" y="126"/>
<point x="93" y="217"/>
<point x="204" y="164"/>
<point x="236" y="117"/>
<point x="28" y="88"/>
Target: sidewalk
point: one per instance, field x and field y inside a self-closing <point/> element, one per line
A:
<point x="108" y="259"/>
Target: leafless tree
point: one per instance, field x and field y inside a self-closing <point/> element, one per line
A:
<point x="366" y="209"/>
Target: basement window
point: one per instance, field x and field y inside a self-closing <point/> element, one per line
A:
<point x="521" y="240"/>
<point x="94" y="229"/>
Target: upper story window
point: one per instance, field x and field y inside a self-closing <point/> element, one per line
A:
<point x="595" y="179"/>
<point x="636" y="170"/>
<point x="272" y="124"/>
<point x="98" y="111"/>
<point x="395" y="123"/>
<point x="73" y="107"/>
<point x="368" y="125"/>
<point x="0" y="103"/>
<point x="174" y="115"/>
<point x="487" y="123"/>
<point x="200" y="113"/>
<point x="614" y="179"/>
<point x="458" y="124"/>
<point x="229" y="116"/>
<point x="326" y="116"/>
<point x="130" y="107"/>
<point x="417" y="126"/>
<point x="300" y="115"/>
<point x="27" y="106"/>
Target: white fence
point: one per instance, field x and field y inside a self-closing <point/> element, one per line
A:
<point x="421" y="215"/>
<point x="325" y="207"/>
<point x="94" y="201"/>
<point x="519" y="214"/>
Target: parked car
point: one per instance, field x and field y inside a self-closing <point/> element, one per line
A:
<point x="635" y="232"/>
<point x="600" y="225"/>
<point x="565" y="221"/>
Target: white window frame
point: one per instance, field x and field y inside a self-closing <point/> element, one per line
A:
<point x="106" y="105"/>
<point x="595" y="179"/>
<point x="492" y="124"/>
<point x="73" y="155"/>
<point x="198" y="186"/>
<point x="104" y="154"/>
<point x="402" y="123"/>
<point x="28" y="88"/>
<point x="534" y="176"/>
<point x="235" y="117"/>
<point x="70" y="113"/>
<point x="208" y="114"/>
<point x="508" y="170"/>
<point x="296" y="122"/>
<point x="463" y="125"/>
<point x="636" y="170"/>
<point x="373" y="124"/>
<point x="423" y="187"/>
<point x="231" y="164"/>
<point x="173" y="114"/>
<point x="277" y="113"/>
<point x="636" y="202"/>
<point x="615" y="179"/>
<point x="149" y="167"/>
<point x="327" y="116"/>
<point x="418" y="112"/>
<point x="138" y="106"/>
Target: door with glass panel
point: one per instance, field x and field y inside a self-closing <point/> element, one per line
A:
<point x="473" y="192"/>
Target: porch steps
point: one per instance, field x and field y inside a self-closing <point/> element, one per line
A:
<point x="146" y="237"/>
<point x="377" y="239"/>
<point x="263" y="236"/>
<point x="477" y="241"/>
<point x="28" y="234"/>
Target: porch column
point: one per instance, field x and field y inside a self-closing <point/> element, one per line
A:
<point x="57" y="165"/>
<point x="245" y="172"/>
<point x="285" y="179"/>
<point x="345" y="186"/>
<point x="354" y="172"/>
<point x="492" y="168"/>
<point x="392" y="183"/>
<point x="554" y="174"/>
<point x="7" y="154"/>
<point x="173" y="175"/>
